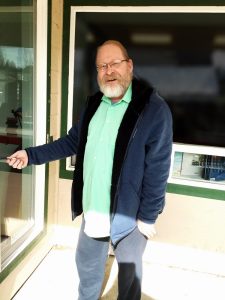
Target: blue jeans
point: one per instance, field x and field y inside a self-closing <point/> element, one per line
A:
<point x="91" y="256"/>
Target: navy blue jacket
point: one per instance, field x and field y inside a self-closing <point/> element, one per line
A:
<point x="141" y="159"/>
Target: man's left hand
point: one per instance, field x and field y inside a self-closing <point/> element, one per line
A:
<point x="146" y="229"/>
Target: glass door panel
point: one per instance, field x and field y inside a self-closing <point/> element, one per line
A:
<point x="17" y="124"/>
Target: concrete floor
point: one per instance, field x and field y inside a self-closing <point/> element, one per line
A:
<point x="56" y="278"/>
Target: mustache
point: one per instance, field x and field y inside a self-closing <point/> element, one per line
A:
<point x="111" y="77"/>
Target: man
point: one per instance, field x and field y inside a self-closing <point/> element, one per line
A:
<point x="123" y="146"/>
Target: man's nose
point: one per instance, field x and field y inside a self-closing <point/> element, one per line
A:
<point x="109" y="70"/>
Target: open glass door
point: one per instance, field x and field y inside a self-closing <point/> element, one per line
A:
<point x="21" y="62"/>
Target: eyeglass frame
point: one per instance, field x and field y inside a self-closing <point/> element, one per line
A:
<point x="113" y="65"/>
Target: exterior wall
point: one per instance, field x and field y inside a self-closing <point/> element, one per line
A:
<point x="55" y="103"/>
<point x="192" y="222"/>
<point x="186" y="221"/>
<point x="66" y="230"/>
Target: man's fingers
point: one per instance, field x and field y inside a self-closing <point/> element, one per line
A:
<point x="15" y="163"/>
<point x="18" y="160"/>
<point x="147" y="230"/>
<point x="20" y="165"/>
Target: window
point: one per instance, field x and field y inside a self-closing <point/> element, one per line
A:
<point x="198" y="166"/>
<point x="180" y="51"/>
<point x="22" y="109"/>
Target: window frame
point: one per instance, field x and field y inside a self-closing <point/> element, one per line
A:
<point x="40" y="17"/>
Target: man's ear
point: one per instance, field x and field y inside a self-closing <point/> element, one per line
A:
<point x="130" y="63"/>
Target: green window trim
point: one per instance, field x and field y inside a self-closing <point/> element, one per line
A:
<point x="195" y="191"/>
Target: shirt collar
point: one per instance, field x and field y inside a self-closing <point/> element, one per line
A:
<point x="126" y="98"/>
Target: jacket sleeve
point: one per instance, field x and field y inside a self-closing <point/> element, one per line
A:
<point x="157" y="165"/>
<point x="61" y="148"/>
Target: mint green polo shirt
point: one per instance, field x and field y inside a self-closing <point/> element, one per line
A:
<point x="98" y="162"/>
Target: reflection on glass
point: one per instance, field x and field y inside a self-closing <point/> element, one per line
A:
<point x="199" y="167"/>
<point x="16" y="125"/>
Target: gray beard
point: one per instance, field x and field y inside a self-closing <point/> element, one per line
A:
<point x="112" y="92"/>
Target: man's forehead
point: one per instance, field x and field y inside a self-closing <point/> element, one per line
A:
<point x="109" y="51"/>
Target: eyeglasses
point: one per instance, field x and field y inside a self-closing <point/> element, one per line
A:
<point x="113" y="65"/>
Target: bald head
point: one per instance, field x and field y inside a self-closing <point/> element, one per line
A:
<point x="114" y="43"/>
